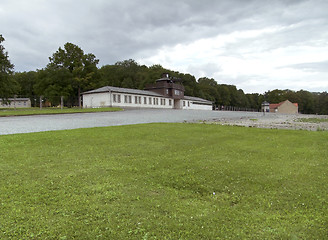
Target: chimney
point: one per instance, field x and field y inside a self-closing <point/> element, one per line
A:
<point x="165" y="75"/>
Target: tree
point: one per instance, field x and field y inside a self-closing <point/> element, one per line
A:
<point x="81" y="67"/>
<point x="53" y="84"/>
<point x="255" y="100"/>
<point x="225" y="95"/>
<point x="209" y="89"/>
<point x="25" y="81"/>
<point x="306" y="104"/>
<point x="7" y="84"/>
<point x="275" y="96"/>
<point x="190" y="84"/>
<point x="323" y="103"/>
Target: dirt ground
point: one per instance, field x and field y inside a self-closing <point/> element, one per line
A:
<point x="278" y="121"/>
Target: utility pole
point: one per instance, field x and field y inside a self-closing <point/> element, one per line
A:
<point x="61" y="102"/>
<point x="40" y="102"/>
<point x="15" y="101"/>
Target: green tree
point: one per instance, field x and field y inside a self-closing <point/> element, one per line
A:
<point x="255" y="100"/>
<point x="225" y="96"/>
<point x="209" y="89"/>
<point x="25" y="81"/>
<point x="7" y="85"/>
<point x="306" y="104"/>
<point x="81" y="67"/>
<point x="52" y="84"/>
<point x="275" y="96"/>
<point x="233" y="95"/>
<point x="323" y="103"/>
<point x="241" y="99"/>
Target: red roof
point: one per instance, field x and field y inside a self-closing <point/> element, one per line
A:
<point x="276" y="105"/>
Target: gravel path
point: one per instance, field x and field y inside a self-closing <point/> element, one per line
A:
<point x="277" y="121"/>
<point x="27" y="124"/>
<point x="39" y="123"/>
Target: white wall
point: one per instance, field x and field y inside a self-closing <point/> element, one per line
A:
<point x="141" y="102"/>
<point x="96" y="100"/>
<point x="107" y="99"/>
<point x="201" y="107"/>
<point x="194" y="106"/>
<point x="17" y="104"/>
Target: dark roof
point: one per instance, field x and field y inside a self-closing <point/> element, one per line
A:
<point x="123" y="90"/>
<point x="163" y="79"/>
<point x="142" y="92"/>
<point x="17" y="99"/>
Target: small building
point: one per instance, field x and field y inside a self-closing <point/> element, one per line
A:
<point x="284" y="107"/>
<point x="265" y="106"/>
<point x="166" y="93"/>
<point x="15" y="103"/>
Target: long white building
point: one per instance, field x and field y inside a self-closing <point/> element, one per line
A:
<point x="165" y="93"/>
<point x="16" y="103"/>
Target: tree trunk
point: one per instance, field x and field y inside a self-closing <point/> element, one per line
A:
<point x="79" y="96"/>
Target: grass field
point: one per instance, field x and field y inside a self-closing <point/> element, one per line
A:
<point x="37" y="111"/>
<point x="164" y="181"/>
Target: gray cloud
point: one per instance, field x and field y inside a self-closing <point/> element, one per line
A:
<point x="118" y="30"/>
<point x="311" y="66"/>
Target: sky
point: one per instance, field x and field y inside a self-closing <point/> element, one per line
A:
<point x="256" y="45"/>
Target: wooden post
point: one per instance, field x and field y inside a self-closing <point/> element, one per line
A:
<point x="15" y="101"/>
<point x="40" y="102"/>
<point x="61" y="102"/>
<point x="79" y="96"/>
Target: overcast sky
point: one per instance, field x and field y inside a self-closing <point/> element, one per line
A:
<point x="257" y="45"/>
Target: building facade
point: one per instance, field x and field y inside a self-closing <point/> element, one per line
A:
<point x="16" y="103"/>
<point x="166" y="93"/>
<point x="286" y="107"/>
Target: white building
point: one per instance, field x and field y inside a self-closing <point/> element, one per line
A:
<point x="16" y="103"/>
<point x="165" y="94"/>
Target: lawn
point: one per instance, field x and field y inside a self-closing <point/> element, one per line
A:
<point x="164" y="181"/>
<point x="4" y="112"/>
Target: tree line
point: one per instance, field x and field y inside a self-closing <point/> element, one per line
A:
<point x="70" y="71"/>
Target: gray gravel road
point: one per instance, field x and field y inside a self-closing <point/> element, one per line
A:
<point x="27" y="124"/>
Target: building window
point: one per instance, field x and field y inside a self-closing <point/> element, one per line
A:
<point x="137" y="100"/>
<point x="118" y="98"/>
<point x="130" y="99"/>
<point x="114" y="98"/>
<point x="156" y="101"/>
<point x="145" y="100"/>
<point x="188" y="104"/>
<point x="184" y="103"/>
<point x="167" y="91"/>
<point x="125" y="98"/>
<point x="150" y="101"/>
<point x="162" y="101"/>
<point x="170" y="102"/>
<point x="176" y="92"/>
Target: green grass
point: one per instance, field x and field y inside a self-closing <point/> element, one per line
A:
<point x="313" y="120"/>
<point x="37" y="111"/>
<point x="164" y="181"/>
